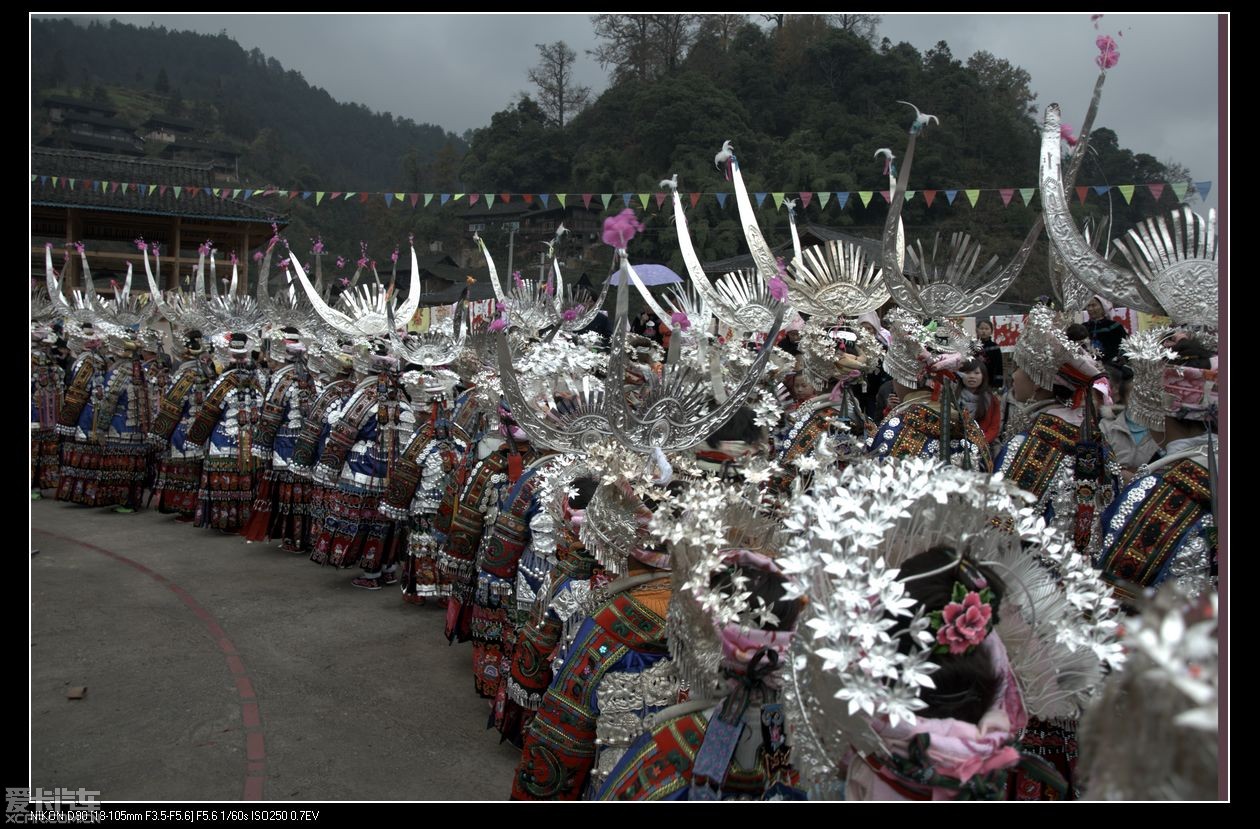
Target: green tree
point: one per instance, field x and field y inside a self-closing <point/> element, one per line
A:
<point x="163" y="84"/>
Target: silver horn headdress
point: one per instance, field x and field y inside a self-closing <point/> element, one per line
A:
<point x="1172" y="272"/>
<point x="364" y="311"/>
<point x="741" y="299"/>
<point x="948" y="283"/>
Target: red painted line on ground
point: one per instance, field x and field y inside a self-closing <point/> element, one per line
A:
<point x="254" y="743"/>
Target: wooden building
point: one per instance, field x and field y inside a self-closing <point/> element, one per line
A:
<point x="108" y="201"/>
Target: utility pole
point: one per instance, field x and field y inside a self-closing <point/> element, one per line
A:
<point x="512" y="228"/>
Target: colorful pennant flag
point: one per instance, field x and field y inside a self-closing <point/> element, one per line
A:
<point x="929" y="196"/>
<point x="778" y="200"/>
<point x="506" y="197"/>
<point x="866" y="196"/>
<point x="414" y="198"/>
<point x="443" y="199"/>
<point x="660" y="200"/>
<point x="1157" y="190"/>
<point x="586" y="200"/>
<point x="1007" y="194"/>
<point x="1027" y="193"/>
<point x="1126" y="190"/>
<point x="950" y="195"/>
<point x="823" y="198"/>
<point x="428" y="197"/>
<point x="645" y="199"/>
<point x="695" y="199"/>
<point x="909" y="195"/>
<point x="473" y="198"/>
<point x="806" y="198"/>
<point x="1179" y="189"/>
<point x="887" y="196"/>
<point x="973" y="196"/>
<point x="1204" y="187"/>
<point x="606" y="198"/>
<point x="319" y="197"/>
<point x="1081" y="192"/>
<point x="760" y="197"/>
<point x="562" y="197"/>
<point x="389" y="199"/>
<point x="1102" y="189"/>
<point x="843" y="198"/>
<point x="721" y="197"/>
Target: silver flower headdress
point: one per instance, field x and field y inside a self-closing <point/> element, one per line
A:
<point x="1170" y="681"/>
<point x="847" y="540"/>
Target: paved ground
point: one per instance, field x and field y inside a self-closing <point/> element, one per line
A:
<point x="220" y="670"/>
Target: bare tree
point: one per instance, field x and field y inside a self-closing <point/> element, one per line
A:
<point x="558" y="95"/>
<point x="642" y="46"/>
<point x="722" y="28"/>
<point x="862" y="25"/>
<point x="627" y="45"/>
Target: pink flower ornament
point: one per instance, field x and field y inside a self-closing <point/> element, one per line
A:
<point x="1107" y="54"/>
<point x="965" y="622"/>
<point x="680" y="320"/>
<point x="620" y="229"/>
<point x="258" y="255"/>
<point x="778" y="289"/>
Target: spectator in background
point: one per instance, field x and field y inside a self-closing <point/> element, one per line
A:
<point x="992" y="354"/>
<point x="980" y="400"/>
<point x="1104" y="332"/>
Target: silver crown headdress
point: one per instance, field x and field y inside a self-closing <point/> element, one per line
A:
<point x="1043" y="349"/>
<point x="847" y="540"/>
<point x="1172" y="272"/>
<point x="949" y="285"/>
<point x="916" y="348"/>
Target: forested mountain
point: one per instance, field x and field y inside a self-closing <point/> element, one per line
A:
<point x="806" y="99"/>
<point x="806" y="103"/>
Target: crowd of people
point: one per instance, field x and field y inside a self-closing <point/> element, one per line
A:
<point x="770" y="560"/>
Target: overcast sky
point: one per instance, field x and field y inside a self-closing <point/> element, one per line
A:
<point x="457" y="70"/>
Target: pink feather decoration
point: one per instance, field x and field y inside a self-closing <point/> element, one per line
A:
<point x="258" y="256"/>
<point x="516" y="279"/>
<point x="499" y="324"/>
<point x="341" y="262"/>
<point x="141" y="245"/>
<point x="778" y="289"/>
<point x="620" y="229"/>
<point x="680" y="320"/>
<point x="394" y="256"/>
<point x="318" y="246"/>
<point x="1066" y="133"/>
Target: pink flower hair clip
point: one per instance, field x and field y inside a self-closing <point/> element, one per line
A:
<point x="965" y="621"/>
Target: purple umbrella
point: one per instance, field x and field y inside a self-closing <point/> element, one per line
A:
<point x="651" y="275"/>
